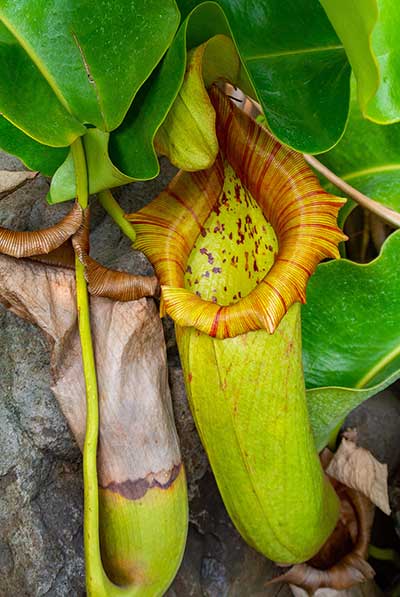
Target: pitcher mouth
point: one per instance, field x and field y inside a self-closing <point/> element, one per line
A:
<point x="301" y="213"/>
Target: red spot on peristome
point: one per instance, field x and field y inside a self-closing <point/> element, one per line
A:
<point x="190" y="377"/>
<point x="214" y="326"/>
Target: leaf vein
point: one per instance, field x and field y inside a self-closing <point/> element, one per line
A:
<point x="294" y="52"/>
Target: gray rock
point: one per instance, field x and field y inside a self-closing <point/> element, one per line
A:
<point x="40" y="467"/>
<point x="377" y="421"/>
<point x="41" y="550"/>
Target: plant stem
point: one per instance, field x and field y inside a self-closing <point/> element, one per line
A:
<point x="118" y="215"/>
<point x="385" y="213"/>
<point x="91" y="503"/>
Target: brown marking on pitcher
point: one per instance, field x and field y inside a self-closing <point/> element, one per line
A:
<point x="137" y="489"/>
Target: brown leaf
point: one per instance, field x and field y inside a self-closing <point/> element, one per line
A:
<point x="137" y="431"/>
<point x="365" y="589"/>
<point x="11" y="181"/>
<point x="357" y="468"/>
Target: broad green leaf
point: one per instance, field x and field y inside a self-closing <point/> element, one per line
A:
<point x="351" y="321"/>
<point x="90" y="57"/>
<point x="131" y="150"/>
<point x="328" y="407"/>
<point x="131" y="145"/>
<point x="34" y="155"/>
<point x="296" y="64"/>
<point x="368" y="157"/>
<point x="102" y="173"/>
<point x="351" y="339"/>
<point x="369" y="32"/>
<point x="28" y="101"/>
<point x="128" y="154"/>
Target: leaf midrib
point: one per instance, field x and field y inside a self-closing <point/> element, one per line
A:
<point x="294" y="52"/>
<point x="378" y="367"/>
<point x="38" y="63"/>
<point x="372" y="170"/>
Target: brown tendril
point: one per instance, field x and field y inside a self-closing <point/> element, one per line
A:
<point x="40" y="242"/>
<point x="109" y="283"/>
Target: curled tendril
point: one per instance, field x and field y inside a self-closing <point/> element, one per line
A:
<point x="39" y="242"/>
<point x="102" y="281"/>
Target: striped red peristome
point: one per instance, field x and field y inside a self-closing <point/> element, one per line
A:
<point x="302" y="214"/>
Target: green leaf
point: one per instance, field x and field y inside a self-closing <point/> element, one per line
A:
<point x="296" y="64"/>
<point x="328" y="407"/>
<point x="351" y="338"/>
<point x="351" y="321"/>
<point x="102" y="173"/>
<point x="34" y="155"/>
<point x="369" y="32"/>
<point x="131" y="150"/>
<point x="27" y="100"/>
<point x="131" y="145"/>
<point x="87" y="59"/>
<point x="367" y="157"/>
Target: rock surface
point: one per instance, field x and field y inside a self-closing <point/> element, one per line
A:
<point x="41" y="550"/>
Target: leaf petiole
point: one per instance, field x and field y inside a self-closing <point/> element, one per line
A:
<point x="117" y="213"/>
<point x="385" y="213"/>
